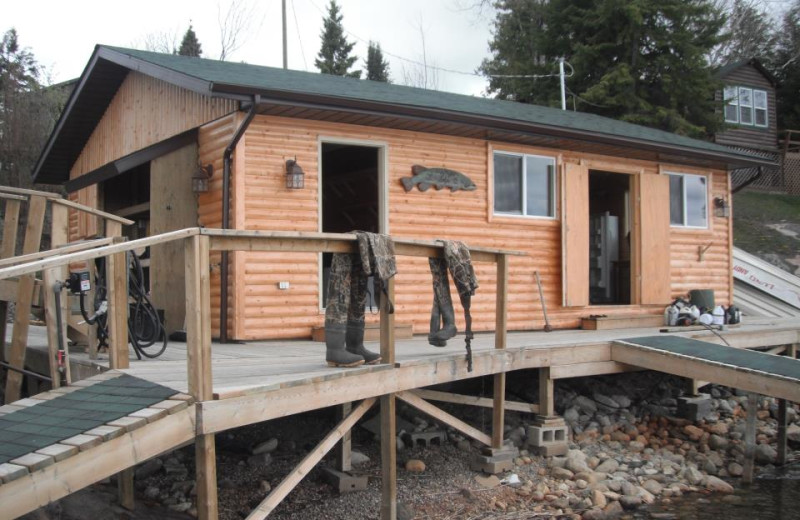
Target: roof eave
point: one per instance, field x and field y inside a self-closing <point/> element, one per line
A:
<point x="732" y="160"/>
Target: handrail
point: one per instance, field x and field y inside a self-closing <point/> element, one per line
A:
<point x="32" y="267"/>
<point x="71" y="248"/>
<point x="10" y="196"/>
<point x="27" y="192"/>
<point x="93" y="211"/>
<point x="252" y="241"/>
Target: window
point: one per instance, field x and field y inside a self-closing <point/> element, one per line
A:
<point x="688" y="200"/>
<point x="524" y="185"/>
<point x="745" y="106"/>
<point x="760" y="107"/>
<point x="731" y="105"/>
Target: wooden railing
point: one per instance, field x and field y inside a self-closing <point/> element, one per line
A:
<point x="198" y="243"/>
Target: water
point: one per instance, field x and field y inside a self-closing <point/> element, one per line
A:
<point x="774" y="495"/>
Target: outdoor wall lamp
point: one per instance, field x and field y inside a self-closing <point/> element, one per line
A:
<point x="721" y="207"/>
<point x="295" y="176"/>
<point x="201" y="177"/>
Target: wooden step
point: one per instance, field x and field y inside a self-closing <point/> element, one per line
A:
<point x="622" y="321"/>
<point x="372" y="332"/>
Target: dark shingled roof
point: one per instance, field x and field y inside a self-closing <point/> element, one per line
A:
<point x="241" y="81"/>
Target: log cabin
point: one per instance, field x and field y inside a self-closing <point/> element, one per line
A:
<point x="616" y="219"/>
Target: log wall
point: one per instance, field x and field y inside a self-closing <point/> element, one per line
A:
<point x="267" y="312"/>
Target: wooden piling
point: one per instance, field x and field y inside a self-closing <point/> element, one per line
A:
<point x="750" y="438"/>
<point x="388" y="415"/>
<point x="500" y="339"/>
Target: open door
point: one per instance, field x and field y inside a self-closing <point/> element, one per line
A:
<point x="654" y="281"/>
<point x="575" y="235"/>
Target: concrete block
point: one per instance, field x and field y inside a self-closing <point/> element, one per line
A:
<point x="694" y="408"/>
<point x="427" y="438"/>
<point x="345" y="482"/>
<point x="548" y="436"/>
<point x="494" y="460"/>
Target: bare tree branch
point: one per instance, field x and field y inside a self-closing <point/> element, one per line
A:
<point x="235" y="26"/>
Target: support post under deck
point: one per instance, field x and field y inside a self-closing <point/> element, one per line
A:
<point x="388" y="417"/>
<point x="750" y="438"/>
<point x="7" y="250"/>
<point x="791" y="351"/>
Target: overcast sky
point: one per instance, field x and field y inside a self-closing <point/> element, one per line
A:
<point x="63" y="34"/>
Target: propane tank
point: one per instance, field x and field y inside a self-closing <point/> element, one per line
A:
<point x="734" y="315"/>
<point x="671" y="316"/>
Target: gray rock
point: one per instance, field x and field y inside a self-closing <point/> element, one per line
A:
<point x="266" y="447"/>
<point x="571" y="415"/>
<point x="607" y="466"/>
<point x="613" y="510"/>
<point x="181" y="507"/>
<point x="562" y="473"/>
<point x="717" y="442"/>
<point x="765" y="454"/>
<point x="357" y="458"/>
<point x="149" y="468"/>
<point x="152" y="492"/>
<point x="594" y="514"/>
<point x="622" y="400"/>
<point x="717" y="485"/>
<point x="692" y="475"/>
<point x="260" y="460"/>
<point x="629" y="489"/>
<point x="630" y="502"/>
<point x="264" y="487"/>
<point x="605" y="400"/>
<point x="652" y="486"/>
<point x="709" y="467"/>
<point x="586" y="404"/>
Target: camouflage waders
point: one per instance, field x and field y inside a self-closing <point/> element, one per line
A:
<point x="336" y="313"/>
<point x="354" y="338"/>
<point x="443" y="319"/>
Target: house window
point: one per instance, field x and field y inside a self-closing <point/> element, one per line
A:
<point x="524" y="185"/>
<point x="760" y="107"/>
<point x="688" y="200"/>
<point x="731" y="105"/>
<point x="746" y="106"/>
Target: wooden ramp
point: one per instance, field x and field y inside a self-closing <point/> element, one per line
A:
<point x="58" y="442"/>
<point x="766" y="374"/>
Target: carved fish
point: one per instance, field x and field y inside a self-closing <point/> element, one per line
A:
<point x="439" y="178"/>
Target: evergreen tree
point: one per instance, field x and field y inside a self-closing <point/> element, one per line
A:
<point x="190" y="45"/>
<point x="377" y="67"/>
<point x="748" y="33"/>
<point x="642" y="61"/>
<point x="334" y="55"/>
<point x="786" y="68"/>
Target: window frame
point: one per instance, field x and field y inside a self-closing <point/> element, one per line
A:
<point x="745" y="106"/>
<point x="765" y="108"/>
<point x="684" y="225"/>
<point x="731" y="101"/>
<point x="524" y="174"/>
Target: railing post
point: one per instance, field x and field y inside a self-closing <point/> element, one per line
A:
<point x="388" y="417"/>
<point x="198" y="359"/>
<point x="37" y="205"/>
<point x="117" y="290"/>
<point x="58" y="237"/>
<point x="500" y="336"/>
<point x="7" y="250"/>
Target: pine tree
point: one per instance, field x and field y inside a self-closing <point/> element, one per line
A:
<point x="334" y="55"/>
<point x="190" y="45"/>
<point x="642" y="61"/>
<point x="377" y="67"/>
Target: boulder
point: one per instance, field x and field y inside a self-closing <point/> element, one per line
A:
<point x="562" y="473"/>
<point x="265" y="447"/>
<point x="765" y="454"/>
<point x="607" y="466"/>
<point x="717" y="485"/>
<point x="415" y="466"/>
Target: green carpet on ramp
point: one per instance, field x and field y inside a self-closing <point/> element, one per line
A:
<point x="738" y="357"/>
<point x="54" y="420"/>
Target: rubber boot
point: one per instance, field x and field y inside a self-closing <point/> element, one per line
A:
<point x="443" y="305"/>
<point x="336" y="314"/>
<point x="354" y="337"/>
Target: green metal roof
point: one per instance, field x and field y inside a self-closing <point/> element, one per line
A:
<point x="109" y="65"/>
<point x="260" y="78"/>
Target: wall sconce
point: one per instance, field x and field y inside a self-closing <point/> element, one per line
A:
<point x="721" y="207"/>
<point x="201" y="177"/>
<point x="295" y="176"/>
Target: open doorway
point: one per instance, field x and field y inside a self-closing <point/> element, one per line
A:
<point x="350" y="195"/>
<point x="609" y="238"/>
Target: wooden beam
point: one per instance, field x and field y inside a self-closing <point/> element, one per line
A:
<point x="344" y="452"/>
<point x="72" y="248"/>
<point x="30" y="193"/>
<point x="594" y="368"/>
<point x="125" y="489"/>
<point x="7" y="250"/>
<point x="388" y="458"/>
<point x="782" y="433"/>
<point x="718" y="373"/>
<point x="546" y="393"/>
<point x="442" y="416"/>
<point x="32" y="267"/>
<point x="309" y="461"/>
<point x="40" y="488"/>
<point x="471" y="400"/>
<point x="59" y="234"/>
<point x="10" y="197"/>
<point x="198" y="318"/>
<point x="498" y="410"/>
<point x="387" y="325"/>
<point x="108" y="217"/>
<point x="117" y="284"/>
<point x="500" y="340"/>
<point x="206" y="470"/>
<point x="750" y="438"/>
<point x="37" y="206"/>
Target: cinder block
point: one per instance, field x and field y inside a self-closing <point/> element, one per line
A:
<point x="694" y="408"/>
<point x="427" y="438"/>
<point x="494" y="460"/>
<point x="345" y="482"/>
<point x="548" y="436"/>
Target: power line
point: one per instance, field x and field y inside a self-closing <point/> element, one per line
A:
<point x="297" y="27"/>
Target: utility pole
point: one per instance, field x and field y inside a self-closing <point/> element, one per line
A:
<point x="563" y="84"/>
<point x="285" y="56"/>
